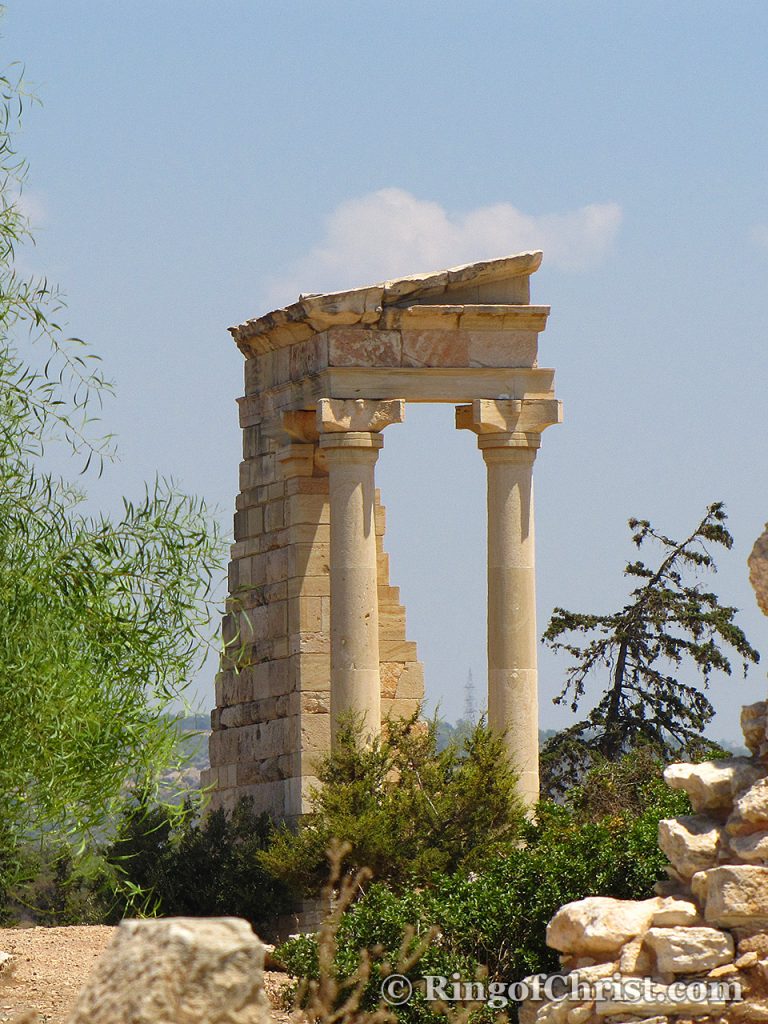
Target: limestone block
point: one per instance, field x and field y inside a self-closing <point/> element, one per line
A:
<point x="689" y="950"/>
<point x="752" y="848"/>
<point x="750" y="810"/>
<point x="758" y="570"/>
<point x="712" y="785"/>
<point x="336" y="415"/>
<point x="599" y="924"/>
<point x="753" y="724"/>
<point x="503" y="348"/>
<point x="435" y="347"/>
<point x="316" y="732"/>
<point x="390" y="673"/>
<point x="308" y="357"/>
<point x="398" y="708"/>
<point x="410" y="684"/>
<point x="397" y="650"/>
<point x="635" y="959"/>
<point x="691" y="842"/>
<point x="307" y="508"/>
<point x="674" y="911"/>
<point x="177" y="971"/>
<point x="358" y="346"/>
<point x="654" y="998"/>
<point x="313" y="670"/>
<point x="733" y="895"/>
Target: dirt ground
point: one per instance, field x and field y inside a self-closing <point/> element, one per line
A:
<point x="49" y="966"/>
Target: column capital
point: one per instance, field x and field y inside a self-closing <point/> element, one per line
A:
<point x="358" y="415"/>
<point x="352" y="441"/>
<point x="515" y="423"/>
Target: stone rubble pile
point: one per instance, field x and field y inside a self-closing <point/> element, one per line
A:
<point x="708" y="923"/>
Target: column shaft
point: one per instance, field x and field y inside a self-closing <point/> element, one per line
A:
<point x="513" y="705"/>
<point x="355" y="681"/>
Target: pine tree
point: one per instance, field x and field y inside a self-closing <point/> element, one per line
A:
<point x="669" y="621"/>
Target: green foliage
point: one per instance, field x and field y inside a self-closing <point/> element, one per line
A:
<point x="187" y="865"/>
<point x="101" y="620"/>
<point x="669" y="620"/>
<point x="51" y="887"/>
<point x="495" y="920"/>
<point x="406" y="809"/>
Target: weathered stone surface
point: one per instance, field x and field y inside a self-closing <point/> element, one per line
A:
<point x="339" y="415"/>
<point x="750" y="810"/>
<point x="752" y="848"/>
<point x="712" y="785"/>
<point x="758" y="570"/>
<point x="635" y="960"/>
<point x="755" y="943"/>
<point x="177" y="971"/>
<point x="753" y="724"/>
<point x="733" y="895"/>
<point x="692" y="843"/>
<point x="599" y="924"/>
<point x="661" y="997"/>
<point x="674" y="911"/>
<point x="689" y="950"/>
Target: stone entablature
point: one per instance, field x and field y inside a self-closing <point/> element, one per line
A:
<point x="313" y="626"/>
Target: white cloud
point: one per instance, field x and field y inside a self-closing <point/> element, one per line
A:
<point x="391" y="233"/>
<point x="32" y="205"/>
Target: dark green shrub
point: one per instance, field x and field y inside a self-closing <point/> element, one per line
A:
<point x="189" y="866"/>
<point x="496" y="919"/>
<point x="407" y="810"/>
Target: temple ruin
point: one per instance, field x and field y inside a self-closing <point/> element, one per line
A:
<point x="314" y="627"/>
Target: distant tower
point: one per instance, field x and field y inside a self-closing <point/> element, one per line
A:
<point x="470" y="703"/>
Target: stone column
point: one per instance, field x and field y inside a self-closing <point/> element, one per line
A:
<point x="350" y="440"/>
<point x="509" y="437"/>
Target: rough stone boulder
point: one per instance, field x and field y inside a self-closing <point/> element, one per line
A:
<point x="758" y="570"/>
<point x="686" y="950"/>
<point x="712" y="785"/>
<point x="599" y="925"/>
<point x="754" y="719"/>
<point x="750" y="810"/>
<point x="674" y="911"/>
<point x="752" y="848"/>
<point x="733" y="895"/>
<point x="181" y="970"/>
<point x="692" y="843"/>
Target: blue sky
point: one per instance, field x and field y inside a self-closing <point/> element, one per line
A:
<point x="194" y="164"/>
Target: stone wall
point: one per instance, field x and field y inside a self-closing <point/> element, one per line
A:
<point x="709" y="922"/>
<point x="271" y="720"/>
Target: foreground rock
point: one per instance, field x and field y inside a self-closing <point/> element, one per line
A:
<point x="707" y="929"/>
<point x="177" y="971"/>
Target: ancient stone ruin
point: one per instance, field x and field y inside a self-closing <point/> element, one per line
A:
<point x="709" y="923"/>
<point x="314" y="627"/>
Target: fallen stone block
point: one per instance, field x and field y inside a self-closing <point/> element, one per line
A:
<point x="691" y="842"/>
<point x="753" y="723"/>
<point x="750" y="810"/>
<point x="689" y="950"/>
<point x="179" y="970"/>
<point x="652" y="998"/>
<point x="733" y="895"/>
<point x="752" y="848"/>
<point x="599" y="924"/>
<point x="674" y="911"/>
<point x="712" y="785"/>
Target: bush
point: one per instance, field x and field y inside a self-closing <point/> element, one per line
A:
<point x="172" y="864"/>
<point x="407" y="810"/>
<point x="496" y="919"/>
